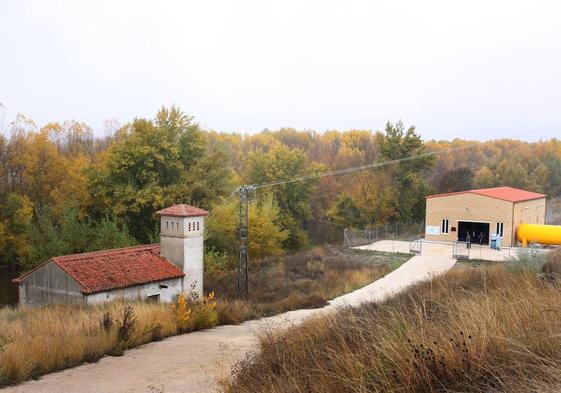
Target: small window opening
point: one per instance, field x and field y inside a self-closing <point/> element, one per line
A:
<point x="189" y="226"/>
<point x="197" y="225"/>
<point x="167" y="225"/>
<point x="444" y="228"/>
<point x="153" y="298"/>
<point x="163" y="286"/>
<point x="500" y="229"/>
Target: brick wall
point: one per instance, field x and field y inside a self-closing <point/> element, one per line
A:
<point x="469" y="207"/>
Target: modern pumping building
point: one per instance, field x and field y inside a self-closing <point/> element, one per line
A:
<point x="478" y="214"/>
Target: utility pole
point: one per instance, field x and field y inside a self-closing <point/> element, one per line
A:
<point x="243" y="232"/>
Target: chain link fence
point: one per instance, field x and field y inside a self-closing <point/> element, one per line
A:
<point x="407" y="231"/>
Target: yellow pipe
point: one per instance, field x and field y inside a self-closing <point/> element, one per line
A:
<point x="536" y="233"/>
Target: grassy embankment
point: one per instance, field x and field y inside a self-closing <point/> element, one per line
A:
<point x="486" y="329"/>
<point x="36" y="341"/>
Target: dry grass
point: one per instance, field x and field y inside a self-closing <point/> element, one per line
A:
<point x="36" y="341"/>
<point x="306" y="279"/>
<point x="473" y="330"/>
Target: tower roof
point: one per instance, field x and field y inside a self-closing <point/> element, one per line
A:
<point x="182" y="210"/>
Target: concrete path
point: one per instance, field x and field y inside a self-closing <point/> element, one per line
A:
<point x="193" y="362"/>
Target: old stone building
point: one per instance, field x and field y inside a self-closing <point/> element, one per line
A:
<point x="156" y="272"/>
<point x="481" y="213"/>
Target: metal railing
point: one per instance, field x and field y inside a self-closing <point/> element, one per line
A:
<point x="460" y="250"/>
<point x="416" y="246"/>
<point x="406" y="231"/>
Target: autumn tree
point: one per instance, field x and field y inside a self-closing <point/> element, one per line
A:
<point x="398" y="143"/>
<point x="157" y="163"/>
<point x="293" y="198"/>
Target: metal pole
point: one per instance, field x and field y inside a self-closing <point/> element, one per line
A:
<point x="243" y="232"/>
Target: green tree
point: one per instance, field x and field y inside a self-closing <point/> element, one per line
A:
<point x="107" y="234"/>
<point x="265" y="238"/>
<point x="345" y="213"/>
<point x="398" y="143"/>
<point x="71" y="233"/>
<point x="293" y="199"/>
<point x="154" y="164"/>
<point x="458" y="179"/>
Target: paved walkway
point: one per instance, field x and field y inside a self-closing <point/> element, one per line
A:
<point x="193" y="362"/>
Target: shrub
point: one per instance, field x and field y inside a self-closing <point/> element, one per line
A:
<point x="182" y="311"/>
<point x="552" y="265"/>
<point x="526" y="259"/>
<point x="127" y="324"/>
<point x="206" y="315"/>
<point x="216" y="262"/>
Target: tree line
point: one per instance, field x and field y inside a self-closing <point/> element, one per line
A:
<point x="63" y="190"/>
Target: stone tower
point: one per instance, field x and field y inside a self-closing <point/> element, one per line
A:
<point x="182" y="242"/>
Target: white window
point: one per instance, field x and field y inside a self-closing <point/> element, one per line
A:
<point x="500" y="229"/>
<point x="172" y="225"/>
<point x="444" y="228"/>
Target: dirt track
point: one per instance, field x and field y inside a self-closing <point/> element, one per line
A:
<point x="193" y="362"/>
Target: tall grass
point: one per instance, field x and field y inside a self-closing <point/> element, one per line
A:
<point x="472" y="330"/>
<point x="36" y="341"/>
<point x="304" y="280"/>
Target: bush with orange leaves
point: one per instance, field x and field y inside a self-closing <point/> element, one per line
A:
<point x="203" y="309"/>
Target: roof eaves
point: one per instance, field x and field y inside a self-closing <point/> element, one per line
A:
<point x="93" y="291"/>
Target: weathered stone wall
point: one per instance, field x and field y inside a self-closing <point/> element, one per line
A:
<point x="167" y="290"/>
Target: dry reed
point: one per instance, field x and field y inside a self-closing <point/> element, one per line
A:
<point x="472" y="330"/>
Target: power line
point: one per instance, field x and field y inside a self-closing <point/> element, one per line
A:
<point x="347" y="170"/>
<point x="245" y="189"/>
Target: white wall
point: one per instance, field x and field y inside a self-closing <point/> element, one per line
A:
<point x="140" y="292"/>
<point x="182" y="243"/>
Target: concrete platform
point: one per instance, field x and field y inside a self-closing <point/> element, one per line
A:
<point x="444" y="250"/>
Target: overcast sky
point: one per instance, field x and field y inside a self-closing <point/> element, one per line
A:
<point x="470" y="69"/>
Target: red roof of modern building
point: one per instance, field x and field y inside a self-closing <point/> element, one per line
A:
<point x="113" y="269"/>
<point x="504" y="193"/>
<point x="182" y="210"/>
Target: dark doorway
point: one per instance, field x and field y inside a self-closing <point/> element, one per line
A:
<point x="476" y="230"/>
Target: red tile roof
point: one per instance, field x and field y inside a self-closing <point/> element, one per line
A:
<point x="504" y="193"/>
<point x="112" y="269"/>
<point x="182" y="210"/>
